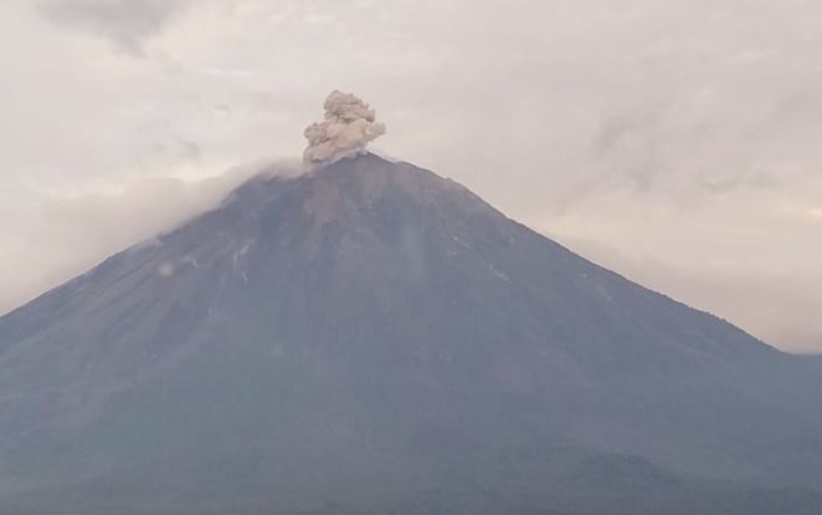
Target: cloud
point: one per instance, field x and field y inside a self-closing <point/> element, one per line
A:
<point x="349" y="126"/>
<point x="127" y="23"/>
<point x="59" y="236"/>
<point x="630" y="125"/>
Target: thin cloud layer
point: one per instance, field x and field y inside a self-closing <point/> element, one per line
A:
<point x="67" y="234"/>
<point x="128" y="23"/>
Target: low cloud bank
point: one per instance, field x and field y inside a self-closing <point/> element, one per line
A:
<point x="61" y="236"/>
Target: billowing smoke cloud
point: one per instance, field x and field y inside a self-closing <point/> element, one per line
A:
<point x="350" y="125"/>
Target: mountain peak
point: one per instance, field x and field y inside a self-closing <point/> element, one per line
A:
<point x="364" y="188"/>
<point x="368" y="178"/>
<point x="368" y="313"/>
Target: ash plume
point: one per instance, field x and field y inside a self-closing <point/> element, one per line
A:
<point x="349" y="126"/>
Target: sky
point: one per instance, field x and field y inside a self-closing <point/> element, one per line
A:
<point x="674" y="141"/>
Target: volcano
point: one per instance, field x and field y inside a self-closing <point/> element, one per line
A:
<point x="372" y="338"/>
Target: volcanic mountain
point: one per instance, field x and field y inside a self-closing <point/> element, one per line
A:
<point x="372" y="338"/>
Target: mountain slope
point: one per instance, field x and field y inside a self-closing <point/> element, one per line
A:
<point x="363" y="335"/>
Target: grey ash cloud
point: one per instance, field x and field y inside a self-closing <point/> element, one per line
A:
<point x="349" y="126"/>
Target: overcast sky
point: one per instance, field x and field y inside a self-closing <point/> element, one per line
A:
<point x="676" y="141"/>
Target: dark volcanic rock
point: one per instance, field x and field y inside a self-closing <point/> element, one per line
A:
<point x="374" y="337"/>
